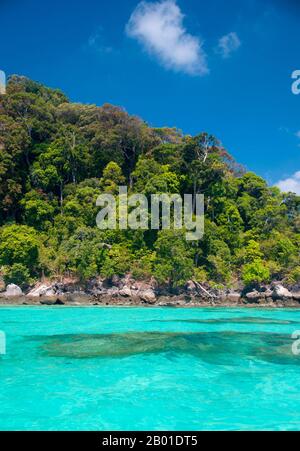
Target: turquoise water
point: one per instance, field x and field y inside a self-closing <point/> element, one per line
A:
<point x="149" y="369"/>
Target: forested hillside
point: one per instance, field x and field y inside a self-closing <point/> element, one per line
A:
<point x="56" y="157"/>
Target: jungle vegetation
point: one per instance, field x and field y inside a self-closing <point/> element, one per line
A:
<point x="56" y="157"/>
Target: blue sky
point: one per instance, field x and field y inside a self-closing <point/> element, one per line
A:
<point x="216" y="66"/>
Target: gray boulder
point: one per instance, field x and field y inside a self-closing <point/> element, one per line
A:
<point x="268" y="293"/>
<point x="50" y="301"/>
<point x="37" y="291"/>
<point x="254" y="296"/>
<point x="125" y="291"/>
<point x="13" y="290"/>
<point x="233" y="297"/>
<point x="50" y="292"/>
<point x="42" y="290"/>
<point x="113" y="292"/>
<point x="147" y="296"/>
<point x="280" y="292"/>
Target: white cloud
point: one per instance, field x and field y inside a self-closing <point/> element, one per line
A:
<point x="159" y="28"/>
<point x="298" y="134"/>
<point x="228" y="44"/>
<point x="96" y="42"/>
<point x="291" y="184"/>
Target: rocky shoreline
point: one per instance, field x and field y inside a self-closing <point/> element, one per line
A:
<point x="128" y="292"/>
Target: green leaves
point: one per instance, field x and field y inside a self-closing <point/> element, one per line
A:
<point x="17" y="274"/>
<point x="19" y="253"/>
<point x="38" y="210"/>
<point x="112" y="178"/>
<point x="150" y="177"/>
<point x="56" y="157"/>
<point x="174" y="263"/>
<point x="255" y="272"/>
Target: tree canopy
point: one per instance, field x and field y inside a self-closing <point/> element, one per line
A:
<point x="56" y="157"/>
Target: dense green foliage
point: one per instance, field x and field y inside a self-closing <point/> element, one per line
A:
<point x="56" y="157"/>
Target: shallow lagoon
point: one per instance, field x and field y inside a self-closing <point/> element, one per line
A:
<point x="97" y="368"/>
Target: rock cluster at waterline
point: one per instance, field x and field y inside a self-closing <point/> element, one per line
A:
<point x="126" y="291"/>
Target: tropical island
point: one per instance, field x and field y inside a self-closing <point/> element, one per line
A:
<point x="56" y="157"/>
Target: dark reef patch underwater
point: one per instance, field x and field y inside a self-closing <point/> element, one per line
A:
<point x="149" y="369"/>
<point x="242" y="320"/>
<point x="215" y="347"/>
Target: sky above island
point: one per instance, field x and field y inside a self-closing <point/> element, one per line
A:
<point x="219" y="66"/>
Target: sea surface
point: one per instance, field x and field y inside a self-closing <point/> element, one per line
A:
<point x="91" y="368"/>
